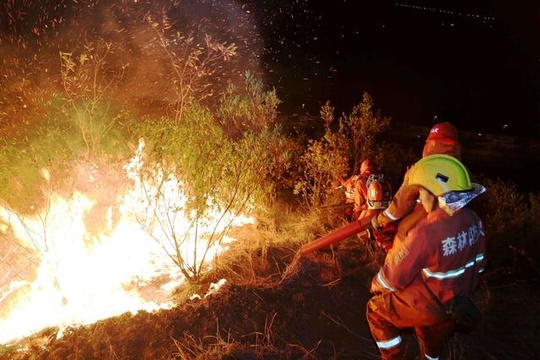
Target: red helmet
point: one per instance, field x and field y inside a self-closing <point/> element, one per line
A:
<point x="379" y="192"/>
<point x="443" y="132"/>
<point x="367" y="166"/>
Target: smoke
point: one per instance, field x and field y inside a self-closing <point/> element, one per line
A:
<point x="139" y="51"/>
<point x="148" y="43"/>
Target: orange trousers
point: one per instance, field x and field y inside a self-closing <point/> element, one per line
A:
<point x="387" y="315"/>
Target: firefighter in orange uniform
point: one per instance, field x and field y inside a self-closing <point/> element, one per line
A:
<point x="355" y="188"/>
<point x="442" y="139"/>
<point x="360" y="195"/>
<point x="446" y="248"/>
<point x="370" y="193"/>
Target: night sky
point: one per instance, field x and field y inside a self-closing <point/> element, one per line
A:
<point x="473" y="64"/>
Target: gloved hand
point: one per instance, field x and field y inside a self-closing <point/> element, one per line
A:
<point x="381" y="221"/>
<point x="375" y="223"/>
<point x="385" y="237"/>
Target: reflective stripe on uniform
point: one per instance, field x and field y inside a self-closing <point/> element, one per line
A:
<point x="389" y="215"/>
<point x="389" y="343"/>
<point x="383" y="282"/>
<point x="455" y="272"/>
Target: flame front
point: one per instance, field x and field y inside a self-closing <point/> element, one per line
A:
<point x="84" y="275"/>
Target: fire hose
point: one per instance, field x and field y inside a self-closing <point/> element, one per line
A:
<point x="340" y="234"/>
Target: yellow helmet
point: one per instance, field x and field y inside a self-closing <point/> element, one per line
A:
<point x="440" y="174"/>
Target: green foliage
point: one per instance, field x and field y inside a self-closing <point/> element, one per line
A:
<point x="20" y="178"/>
<point x="321" y="166"/>
<point x="218" y="169"/>
<point x="43" y="159"/>
<point x="87" y="79"/>
<point x="347" y="141"/>
<point x="253" y="109"/>
<point x="221" y="144"/>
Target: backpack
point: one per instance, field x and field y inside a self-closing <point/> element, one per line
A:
<point x="378" y="192"/>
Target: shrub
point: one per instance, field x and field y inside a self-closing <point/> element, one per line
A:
<point x="511" y="223"/>
<point x="199" y="168"/>
<point x="346" y="142"/>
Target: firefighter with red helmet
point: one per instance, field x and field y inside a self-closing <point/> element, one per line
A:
<point x="356" y="188"/>
<point x="442" y="139"/>
<point x="444" y="251"/>
<point x="367" y="190"/>
<point x="370" y="193"/>
<point x="360" y="191"/>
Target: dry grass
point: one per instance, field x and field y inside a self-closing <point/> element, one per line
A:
<point x="277" y="304"/>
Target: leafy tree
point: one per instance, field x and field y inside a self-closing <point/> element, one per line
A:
<point x="210" y="170"/>
<point x="251" y="109"/>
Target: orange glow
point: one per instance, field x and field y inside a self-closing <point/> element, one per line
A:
<point x="82" y="276"/>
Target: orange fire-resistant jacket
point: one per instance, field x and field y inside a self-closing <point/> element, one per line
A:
<point x="447" y="251"/>
<point x="356" y="192"/>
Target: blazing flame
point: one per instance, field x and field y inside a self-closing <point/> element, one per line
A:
<point x="83" y="275"/>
